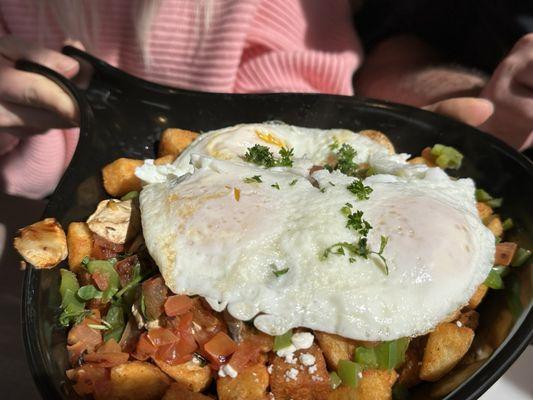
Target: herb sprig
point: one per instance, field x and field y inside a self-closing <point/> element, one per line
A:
<point x="253" y="179"/>
<point x="261" y="155"/>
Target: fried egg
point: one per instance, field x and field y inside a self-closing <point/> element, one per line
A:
<point x="256" y="246"/>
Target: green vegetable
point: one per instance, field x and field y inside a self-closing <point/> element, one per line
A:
<point x="357" y="223"/>
<point x="285" y="157"/>
<point x="130" y="195"/>
<point x="282" y="341"/>
<point x="261" y="155"/>
<point x="507" y="224"/>
<point x="349" y="372"/>
<point x="281" y="272"/>
<point x="85" y="261"/>
<point x="334" y="380"/>
<point x="358" y="188"/>
<point x="386" y="355"/>
<point x="106" y="268"/>
<point x="73" y="308"/>
<point x="486" y="198"/>
<point x="98" y="327"/>
<point x="494" y="279"/>
<point x="293" y="182"/>
<point x="446" y="156"/>
<point x="520" y="257"/>
<point x="345" y="163"/>
<point x="143" y="306"/>
<point x="275" y="185"/>
<point x="513" y="290"/>
<point x="135" y="280"/>
<point x="115" y="319"/>
<point x="89" y="292"/>
<point x="253" y="179"/>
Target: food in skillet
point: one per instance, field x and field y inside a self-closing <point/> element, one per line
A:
<point x="275" y="262"/>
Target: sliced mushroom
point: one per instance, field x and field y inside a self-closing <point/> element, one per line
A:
<point x="116" y="220"/>
<point x="42" y="244"/>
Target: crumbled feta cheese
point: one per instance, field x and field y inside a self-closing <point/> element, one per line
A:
<point x="269" y="368"/>
<point x="307" y="359"/>
<point x="317" y="378"/>
<point x="288" y="354"/>
<point x="359" y="375"/>
<point x="291" y="374"/>
<point x="312" y="369"/>
<point x="302" y="340"/>
<point x="227" y="370"/>
<point x="459" y="324"/>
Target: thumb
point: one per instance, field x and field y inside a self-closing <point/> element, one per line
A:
<point x="470" y="110"/>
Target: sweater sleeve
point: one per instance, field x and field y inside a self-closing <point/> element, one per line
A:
<point x="290" y="48"/>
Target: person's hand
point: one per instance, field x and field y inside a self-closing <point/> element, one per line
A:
<point x="469" y="110"/>
<point x="30" y="103"/>
<point x="511" y="90"/>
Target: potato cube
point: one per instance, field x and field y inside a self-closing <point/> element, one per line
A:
<point x="446" y="345"/>
<point x="190" y="375"/>
<point x="418" y="160"/>
<point x="297" y="381"/>
<point x="80" y="243"/>
<point x="374" y="385"/>
<point x="380" y="138"/>
<point x="174" y="141"/>
<point x="249" y="384"/>
<point x="178" y="392"/>
<point x="335" y="348"/>
<point x="478" y="296"/>
<point x="42" y="244"/>
<point x="484" y="210"/>
<point x="494" y="223"/>
<point x="504" y="253"/>
<point x="169" y="159"/>
<point x="468" y="318"/>
<point x="136" y="380"/>
<point x="119" y="176"/>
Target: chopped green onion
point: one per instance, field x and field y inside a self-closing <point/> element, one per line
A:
<point x="494" y="279"/>
<point x="73" y="308"/>
<point x="89" y="292"/>
<point x="253" y="179"/>
<point x="446" y="156"/>
<point x="507" y="224"/>
<point x="520" y="257"/>
<point x="143" y="306"/>
<point x="106" y="268"/>
<point x="281" y="272"/>
<point x="115" y="319"/>
<point x="483" y="197"/>
<point x="334" y="380"/>
<point x="282" y="341"/>
<point x="349" y="372"/>
<point x="130" y="195"/>
<point x="98" y="327"/>
<point x="386" y="355"/>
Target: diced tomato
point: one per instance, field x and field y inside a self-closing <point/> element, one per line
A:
<point x="246" y="352"/>
<point x="82" y="338"/>
<point x="130" y="336"/>
<point x="111" y="346"/>
<point x="162" y="336"/>
<point x="220" y="347"/>
<point x="504" y="253"/>
<point x="144" y="349"/>
<point x="107" y="360"/>
<point x="206" y="323"/>
<point x="104" y="249"/>
<point x="100" y="280"/>
<point x="177" y="305"/>
<point x="124" y="269"/>
<point x="155" y="294"/>
<point x="172" y="354"/>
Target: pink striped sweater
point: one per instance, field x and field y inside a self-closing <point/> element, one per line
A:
<point x="250" y="46"/>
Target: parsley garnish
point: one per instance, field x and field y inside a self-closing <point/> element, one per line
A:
<point x="275" y="185"/>
<point x="358" y="188"/>
<point x="280" y="272"/>
<point x="261" y="155"/>
<point x="344" y="155"/>
<point x="293" y="182"/>
<point x="253" y="179"/>
<point x="357" y="223"/>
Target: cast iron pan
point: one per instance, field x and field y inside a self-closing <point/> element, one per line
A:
<point x="123" y="116"/>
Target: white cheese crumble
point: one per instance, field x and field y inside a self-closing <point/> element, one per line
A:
<point x="312" y="369"/>
<point x="307" y="359"/>
<point x="302" y="340"/>
<point x="291" y="374"/>
<point x="227" y="370"/>
<point x="269" y="369"/>
<point x="459" y="324"/>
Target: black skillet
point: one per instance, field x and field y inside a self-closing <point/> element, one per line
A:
<point x="123" y="116"/>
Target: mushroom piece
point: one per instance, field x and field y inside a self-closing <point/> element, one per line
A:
<point x="115" y="220"/>
<point x="42" y="244"/>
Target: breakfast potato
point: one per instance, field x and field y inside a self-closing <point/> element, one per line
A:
<point x="484" y="210"/>
<point x="409" y="371"/>
<point x="335" y="348"/>
<point x="174" y="141"/>
<point x="42" y="244"/>
<point x="468" y="318"/>
<point x="249" y="384"/>
<point x="418" y="160"/>
<point x="379" y="137"/>
<point x="80" y="243"/>
<point x="446" y="345"/>
<point x="119" y="176"/>
<point x="190" y="375"/>
<point x="178" y="392"/>
<point x="168" y="159"/>
<point x="374" y="385"/>
<point x="137" y="380"/>
<point x="115" y="220"/>
<point x="289" y="381"/>
<point x="504" y="253"/>
<point x="494" y="223"/>
<point x="478" y="296"/>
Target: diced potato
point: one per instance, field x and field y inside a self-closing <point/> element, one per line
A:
<point x="418" y="160"/>
<point x="478" y="296"/>
<point x="42" y="244"/>
<point x="504" y="253"/>
<point x="410" y="369"/>
<point x="335" y="348"/>
<point x="379" y="137"/>
<point x="115" y="220"/>
<point x="119" y="176"/>
<point x="136" y="380"/>
<point x="468" y="318"/>
<point x="484" y="210"/>
<point x="190" y="375"/>
<point x="80" y="243"/>
<point x="249" y="384"/>
<point x="446" y="345"/>
<point x="174" y="141"/>
<point x="494" y="223"/>
<point x="374" y="385"/>
<point x="168" y="159"/>
<point x="444" y="386"/>
<point x="178" y="392"/>
<point x="288" y="381"/>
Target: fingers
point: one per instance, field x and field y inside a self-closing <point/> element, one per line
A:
<point x="13" y="48"/>
<point x="14" y="116"/>
<point x="470" y="110"/>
